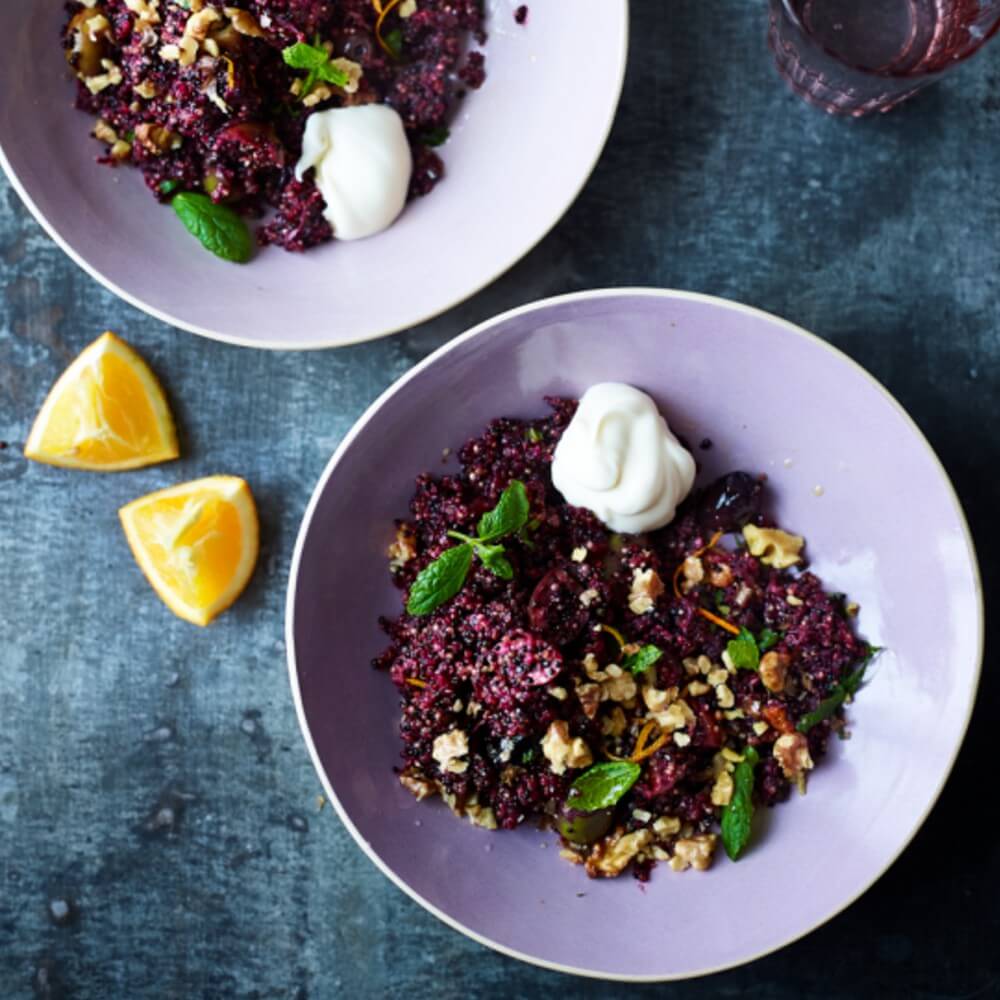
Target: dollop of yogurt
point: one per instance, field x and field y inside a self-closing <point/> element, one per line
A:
<point x="363" y="166"/>
<point x="619" y="459"/>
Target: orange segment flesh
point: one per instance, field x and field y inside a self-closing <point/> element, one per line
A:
<point x="197" y="543"/>
<point x="106" y="412"/>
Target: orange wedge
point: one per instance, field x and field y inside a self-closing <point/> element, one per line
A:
<point x="197" y="543"/>
<point x="107" y="412"/>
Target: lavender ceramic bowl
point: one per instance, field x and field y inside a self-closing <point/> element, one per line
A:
<point x="887" y="528"/>
<point x="519" y="153"/>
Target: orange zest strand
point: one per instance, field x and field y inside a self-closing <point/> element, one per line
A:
<point x="651" y="749"/>
<point x="416" y="683"/>
<point x="230" y="72"/>
<point x="643" y="736"/>
<point x="377" y="4"/>
<point x="716" y="620"/>
<point x="618" y="637"/>
<point x="382" y="15"/>
<point x="712" y="542"/>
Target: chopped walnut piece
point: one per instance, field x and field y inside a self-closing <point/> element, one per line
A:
<point x="773" y="546"/>
<point x="614" y="723"/>
<point x="622" y="689"/>
<point x="104" y="132"/>
<point x="146" y="89"/>
<point x="774" y="669"/>
<point x="694" y="572"/>
<point x="657" y="700"/>
<point x="590" y="698"/>
<point x="694" y="852"/>
<point x="646" y="588"/>
<point x="352" y="71"/>
<point x="791" y="751"/>
<point x="198" y="25"/>
<point x="724" y="696"/>
<point x="148" y="10"/>
<point x="481" y="816"/>
<point x="403" y="549"/>
<point x="722" y="790"/>
<point x="666" y="826"/>
<point x="321" y="92"/>
<point x="419" y="786"/>
<point x="579" y="554"/>
<point x="156" y="139"/>
<point x="111" y="77"/>
<point x="682" y="739"/>
<point x="697" y="688"/>
<point x="121" y="150"/>
<point x="718" y="676"/>
<point x="760" y="727"/>
<point x="244" y="22"/>
<point x="795" y="602"/>
<point x="678" y="715"/>
<point x="407" y="9"/>
<point x="448" y="748"/>
<point x="561" y="751"/>
<point x="609" y="858"/>
<point x="588" y="596"/>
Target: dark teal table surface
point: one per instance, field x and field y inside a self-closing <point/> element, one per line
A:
<point x="152" y="776"/>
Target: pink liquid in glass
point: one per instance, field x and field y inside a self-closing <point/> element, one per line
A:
<point x="858" y="56"/>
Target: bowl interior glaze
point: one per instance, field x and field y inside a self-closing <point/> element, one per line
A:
<point x="887" y="529"/>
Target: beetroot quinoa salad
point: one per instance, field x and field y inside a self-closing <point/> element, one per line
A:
<point x="200" y="95"/>
<point x="639" y="693"/>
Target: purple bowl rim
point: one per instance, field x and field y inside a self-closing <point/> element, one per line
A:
<point x="237" y="341"/>
<point x="542" y="305"/>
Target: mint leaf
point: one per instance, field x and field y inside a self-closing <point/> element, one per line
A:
<point x="533" y="434"/>
<point x="301" y="55"/>
<point x="639" y="662"/>
<point x="169" y="186"/>
<point x="602" y="785"/>
<point x="850" y="685"/>
<point x="316" y="60"/>
<point x="767" y="639"/>
<point x="738" y="815"/>
<point x="218" y="227"/>
<point x="743" y="651"/>
<point x="440" y="580"/>
<point x="509" y="515"/>
<point x="822" y="711"/>
<point x="495" y="561"/>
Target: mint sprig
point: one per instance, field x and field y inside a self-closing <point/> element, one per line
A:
<point x="849" y="686"/>
<point x="601" y="786"/>
<point x="316" y="60"/>
<point x="442" y="579"/>
<point x="738" y="814"/>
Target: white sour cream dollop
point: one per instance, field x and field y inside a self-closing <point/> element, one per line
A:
<point x="363" y="166"/>
<point x="619" y="459"/>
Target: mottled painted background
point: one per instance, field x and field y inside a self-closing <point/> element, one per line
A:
<point x="159" y="829"/>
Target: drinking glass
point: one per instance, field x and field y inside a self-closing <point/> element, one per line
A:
<point x="854" y="57"/>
